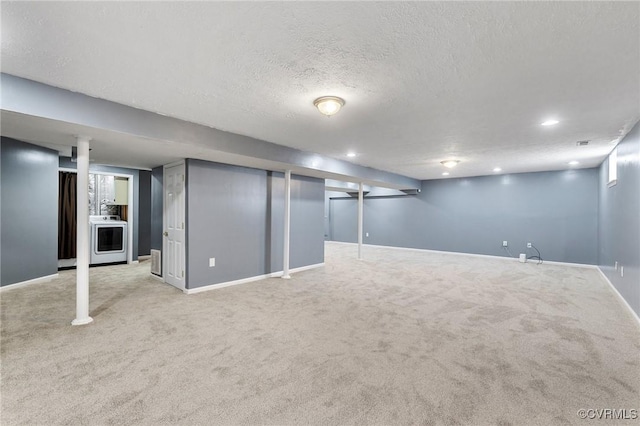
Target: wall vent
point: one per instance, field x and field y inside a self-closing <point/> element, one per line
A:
<point x="582" y="143"/>
<point x="156" y="262"/>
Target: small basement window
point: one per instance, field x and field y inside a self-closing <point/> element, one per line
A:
<point x="613" y="167"/>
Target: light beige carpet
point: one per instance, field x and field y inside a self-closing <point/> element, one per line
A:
<point x="399" y="338"/>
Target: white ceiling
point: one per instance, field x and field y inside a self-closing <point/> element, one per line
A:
<point x="423" y="81"/>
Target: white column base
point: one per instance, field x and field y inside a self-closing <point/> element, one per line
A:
<point x="286" y="277"/>
<point x="83" y="321"/>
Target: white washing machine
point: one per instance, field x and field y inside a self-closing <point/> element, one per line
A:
<point x="108" y="239"/>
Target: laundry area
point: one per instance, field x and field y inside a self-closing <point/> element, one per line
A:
<point x="109" y="211"/>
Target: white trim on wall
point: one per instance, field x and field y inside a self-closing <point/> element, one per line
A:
<point x="38" y="280"/>
<point x="456" y="253"/>
<point x="299" y="269"/>
<point x="250" y="279"/>
<point x="578" y="265"/>
<point x="622" y="299"/>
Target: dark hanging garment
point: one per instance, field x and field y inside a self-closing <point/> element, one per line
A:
<point x="67" y="215"/>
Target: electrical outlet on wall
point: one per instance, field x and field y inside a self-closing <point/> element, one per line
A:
<point x="504" y="244"/>
<point x="212" y="262"/>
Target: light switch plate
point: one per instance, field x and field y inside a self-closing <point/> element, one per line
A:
<point x="212" y="262"/>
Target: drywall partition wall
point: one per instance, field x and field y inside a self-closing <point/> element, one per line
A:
<point x="226" y="220"/>
<point x="144" y="214"/>
<point x="235" y="215"/>
<point x="327" y="215"/>
<point x="343" y="219"/>
<point x="619" y="221"/>
<point x="306" y="240"/>
<point x="307" y="221"/>
<point x="66" y="163"/>
<point x="556" y="211"/>
<point x="29" y="211"/>
<point x="275" y="221"/>
<point x="156" y="207"/>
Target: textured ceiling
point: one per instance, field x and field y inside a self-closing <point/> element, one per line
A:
<point x="423" y="81"/>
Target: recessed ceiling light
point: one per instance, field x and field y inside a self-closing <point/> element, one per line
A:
<point x="329" y="105"/>
<point x="450" y="163"/>
<point x="550" y="122"/>
<point x="351" y="154"/>
<point x="574" y="163"/>
<point x="497" y="169"/>
<point x="445" y="173"/>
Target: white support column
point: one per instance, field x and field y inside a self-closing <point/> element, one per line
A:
<point x="360" y="211"/>
<point x="82" y="258"/>
<point x="287" y="224"/>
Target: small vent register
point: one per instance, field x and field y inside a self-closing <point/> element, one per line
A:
<point x="156" y="262"/>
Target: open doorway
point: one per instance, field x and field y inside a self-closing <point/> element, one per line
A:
<point x="111" y="218"/>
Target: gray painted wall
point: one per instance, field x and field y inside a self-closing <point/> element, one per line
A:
<point x="156" y="208"/>
<point x="29" y="211"/>
<point x="65" y="162"/>
<point x="619" y="220"/>
<point x="235" y="214"/>
<point x="327" y="215"/>
<point x="556" y="211"/>
<point x="144" y="214"/>
<point x="307" y="221"/>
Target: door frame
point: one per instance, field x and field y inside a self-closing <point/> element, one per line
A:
<point x="129" y="201"/>
<point x="164" y="220"/>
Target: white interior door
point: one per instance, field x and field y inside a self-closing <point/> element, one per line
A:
<point x="174" y="229"/>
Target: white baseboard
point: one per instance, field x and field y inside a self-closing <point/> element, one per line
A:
<point x="456" y="253"/>
<point x="226" y="284"/>
<point x="300" y="269"/>
<point x="250" y="279"/>
<point x="39" y="280"/>
<point x="577" y="265"/>
<point x="622" y="299"/>
<point x="574" y="265"/>
<point x="144" y="257"/>
<point x="66" y="263"/>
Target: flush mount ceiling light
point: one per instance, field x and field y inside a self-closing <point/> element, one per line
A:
<point x="351" y="154"/>
<point x="497" y="169"/>
<point x="549" y="123"/>
<point x="445" y="173"/>
<point x="450" y="163"/>
<point x="329" y="105"/>
<point x="574" y="163"/>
